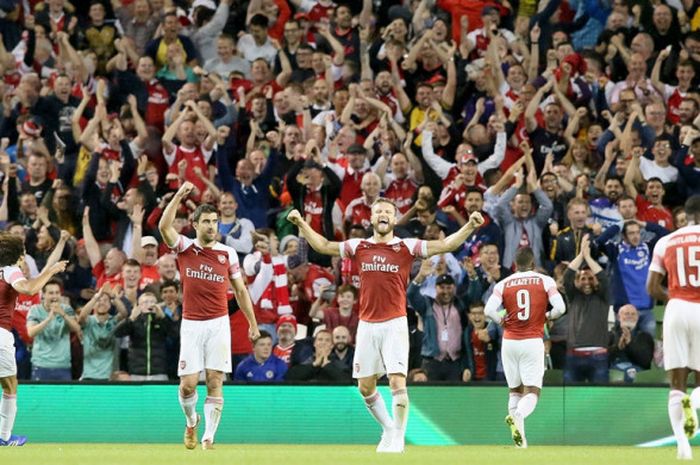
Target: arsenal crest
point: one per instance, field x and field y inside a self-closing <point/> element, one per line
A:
<point x="396" y="248"/>
<point x="222" y="259"/>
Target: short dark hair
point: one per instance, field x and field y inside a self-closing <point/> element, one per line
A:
<point x="474" y="190"/>
<point x="263" y="335"/>
<point x="202" y="209"/>
<point x="476" y="304"/>
<point x="654" y="179"/>
<point x="626" y="197"/>
<point x="628" y="224"/>
<point x="615" y="178"/>
<point x="170" y="283"/>
<point x="11" y="249"/>
<point x="169" y="13"/>
<point x="132" y="262"/>
<point x="347" y="288"/>
<point x="53" y="282"/>
<point x="260" y="20"/>
<point x="524" y="258"/>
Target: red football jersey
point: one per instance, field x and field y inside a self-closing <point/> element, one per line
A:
<point x="158" y="104"/>
<point x="647" y="212"/>
<point x="9" y="275"/>
<point x="350" y="189"/>
<point x="19" y="317"/>
<point x="678" y="256"/>
<point x="401" y="191"/>
<point x="359" y="212"/>
<point x="384" y="273"/>
<point x="524" y="296"/>
<point x="196" y="157"/>
<point x="205" y="275"/>
<point x="284" y="354"/>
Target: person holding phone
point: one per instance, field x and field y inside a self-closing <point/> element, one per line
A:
<point x="148" y="329"/>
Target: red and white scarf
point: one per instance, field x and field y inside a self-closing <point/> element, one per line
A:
<point x="269" y="288"/>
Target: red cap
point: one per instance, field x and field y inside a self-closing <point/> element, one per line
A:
<point x="469" y="156"/>
<point x="288" y="318"/>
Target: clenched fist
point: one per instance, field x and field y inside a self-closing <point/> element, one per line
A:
<point x="476" y="220"/>
<point x="294" y="217"/>
<point x="185" y="189"/>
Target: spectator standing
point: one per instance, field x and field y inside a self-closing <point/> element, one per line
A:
<point x="587" y="291"/>
<point x="50" y="324"/>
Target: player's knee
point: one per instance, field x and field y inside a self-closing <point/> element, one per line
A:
<point x="187" y="389"/>
<point x="366" y="390"/>
<point x="214" y="382"/>
<point x="397" y="382"/>
<point x="532" y="390"/>
<point x="9" y="385"/>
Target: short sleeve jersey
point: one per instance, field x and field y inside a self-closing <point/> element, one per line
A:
<point x="8" y="295"/>
<point x="205" y="273"/>
<point x="678" y="256"/>
<point x="384" y="270"/>
<point x="525" y="296"/>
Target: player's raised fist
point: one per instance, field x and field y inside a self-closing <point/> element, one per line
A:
<point x="294" y="217"/>
<point x="476" y="220"/>
<point x="253" y="334"/>
<point x="59" y="267"/>
<point x="185" y="189"/>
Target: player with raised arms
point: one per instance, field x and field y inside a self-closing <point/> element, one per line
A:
<point x="524" y="296"/>
<point x="384" y="264"/>
<point x="13" y="283"/>
<point x="677" y="257"/>
<point x="207" y="269"/>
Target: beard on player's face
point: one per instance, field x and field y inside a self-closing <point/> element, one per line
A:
<point x="383" y="226"/>
<point x="206" y="235"/>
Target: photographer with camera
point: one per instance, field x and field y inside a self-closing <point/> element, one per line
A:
<point x="148" y="329"/>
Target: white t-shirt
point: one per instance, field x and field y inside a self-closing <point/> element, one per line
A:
<point x="650" y="169"/>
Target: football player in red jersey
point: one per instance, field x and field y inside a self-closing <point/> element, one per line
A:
<point x="677" y="257"/>
<point x="207" y="269"/>
<point x="524" y="295"/>
<point x="384" y="265"/>
<point x="13" y="283"/>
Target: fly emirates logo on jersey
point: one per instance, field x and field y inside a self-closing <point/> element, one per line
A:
<point x="205" y="272"/>
<point x="379" y="263"/>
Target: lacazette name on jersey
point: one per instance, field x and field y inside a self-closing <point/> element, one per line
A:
<point x="523" y="282"/>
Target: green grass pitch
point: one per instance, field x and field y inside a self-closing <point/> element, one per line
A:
<point x="245" y="454"/>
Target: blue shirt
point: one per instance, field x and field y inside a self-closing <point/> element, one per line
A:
<point x="273" y="369"/>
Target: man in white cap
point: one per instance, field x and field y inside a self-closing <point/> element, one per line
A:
<point x="147" y="256"/>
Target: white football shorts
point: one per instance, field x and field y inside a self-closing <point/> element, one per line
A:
<point x="205" y="344"/>
<point x="8" y="365"/>
<point x="523" y="362"/>
<point x="381" y="348"/>
<point x="682" y="335"/>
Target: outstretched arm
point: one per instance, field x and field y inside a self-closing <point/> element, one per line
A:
<point x="33" y="286"/>
<point x="456" y="239"/>
<point x="319" y="243"/>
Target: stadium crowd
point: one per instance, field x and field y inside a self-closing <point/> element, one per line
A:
<point x="573" y="126"/>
